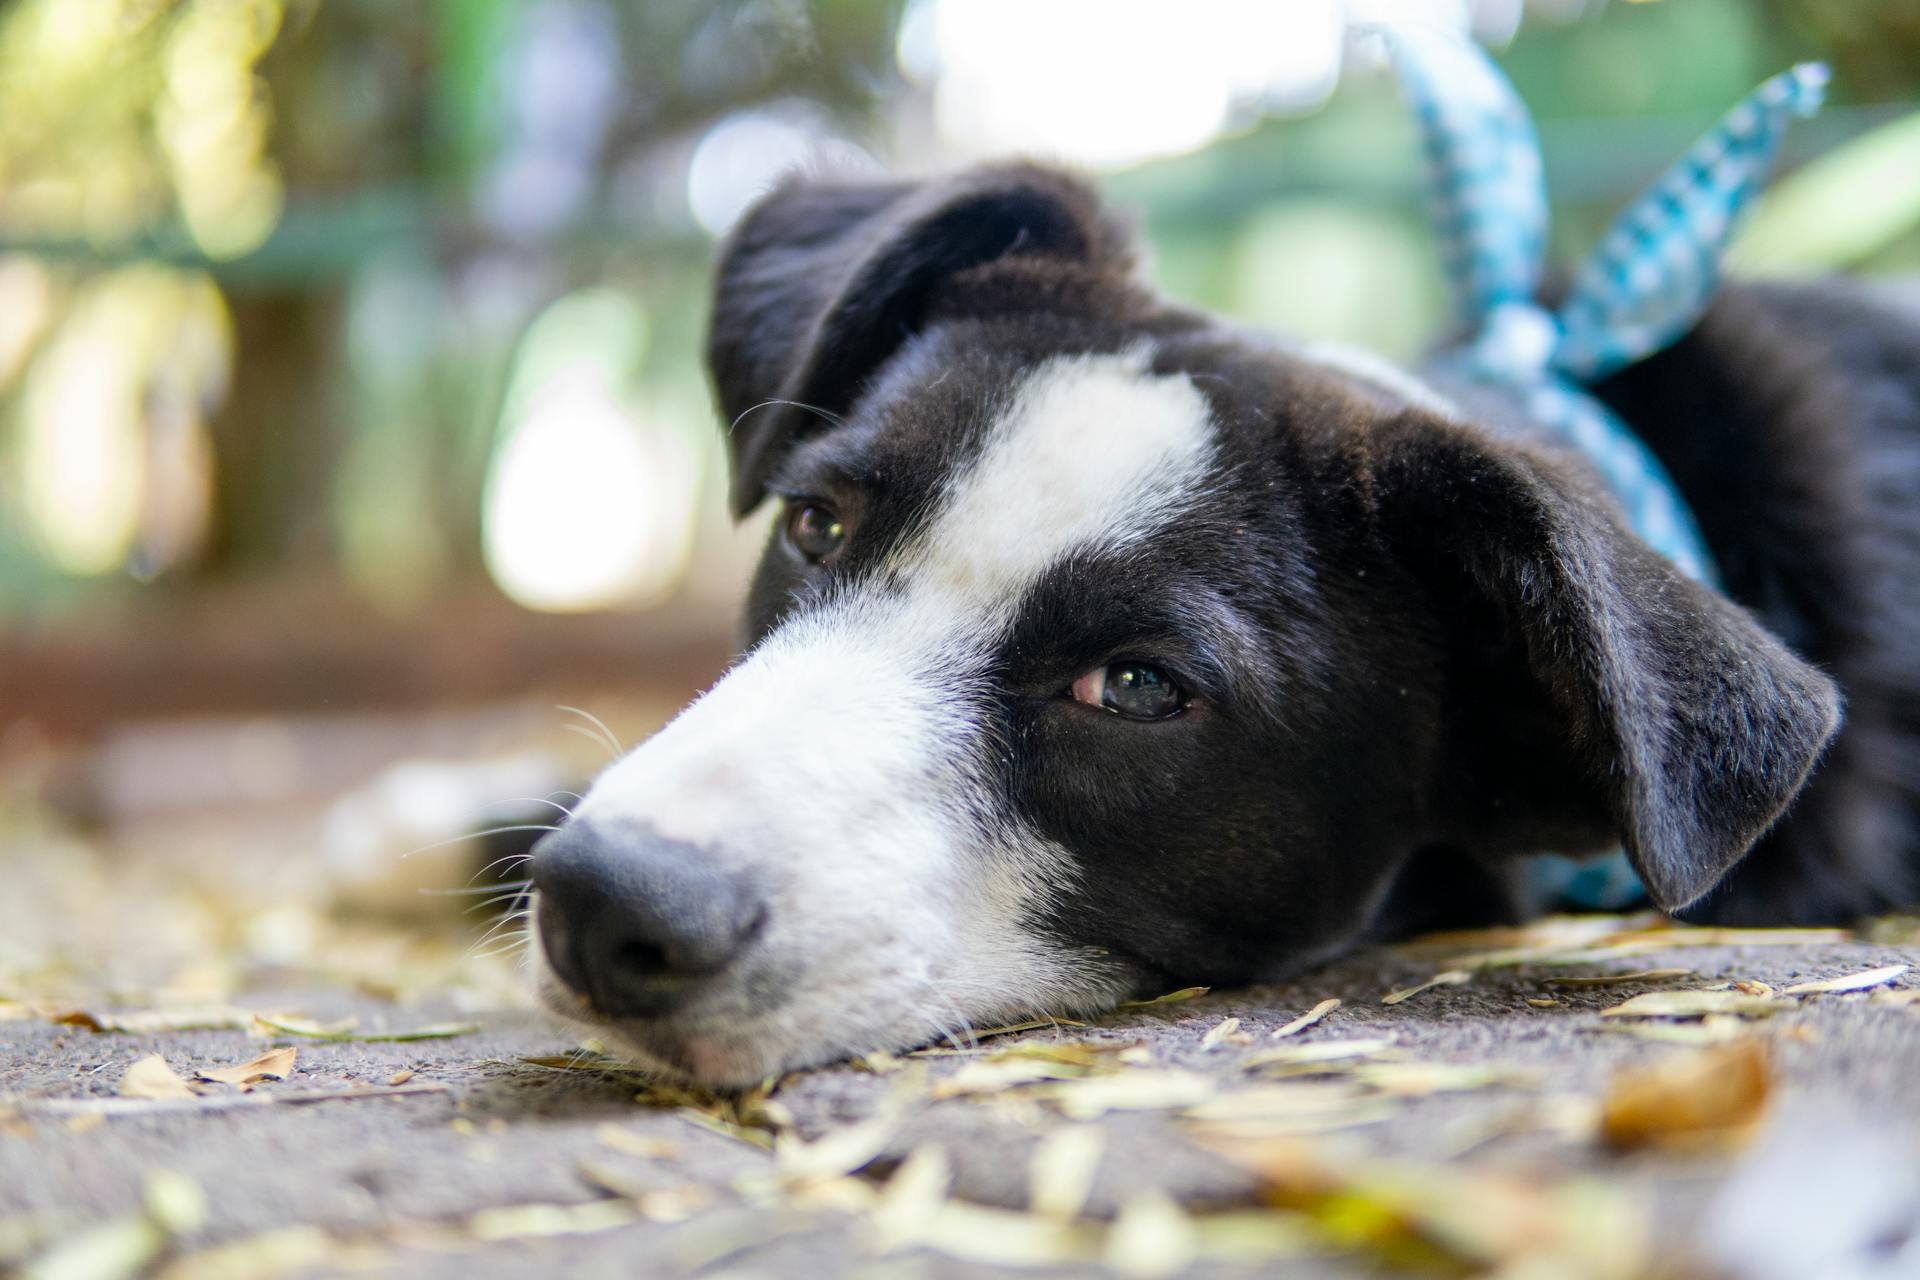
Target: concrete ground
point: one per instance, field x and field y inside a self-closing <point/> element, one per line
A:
<point x="1461" y="1130"/>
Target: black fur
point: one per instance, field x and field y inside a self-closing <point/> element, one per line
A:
<point x="1421" y="650"/>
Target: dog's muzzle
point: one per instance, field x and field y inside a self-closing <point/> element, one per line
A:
<point x="637" y="923"/>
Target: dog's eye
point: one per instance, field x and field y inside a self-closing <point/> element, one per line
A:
<point x="1135" y="690"/>
<point x="815" y="531"/>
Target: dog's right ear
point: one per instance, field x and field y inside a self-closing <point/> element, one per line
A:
<point x="822" y="281"/>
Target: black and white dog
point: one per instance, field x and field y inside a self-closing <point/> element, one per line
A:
<point x="1103" y="646"/>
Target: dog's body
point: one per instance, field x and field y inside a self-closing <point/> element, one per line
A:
<point x="1104" y="645"/>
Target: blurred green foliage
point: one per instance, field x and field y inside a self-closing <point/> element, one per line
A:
<point x="362" y="206"/>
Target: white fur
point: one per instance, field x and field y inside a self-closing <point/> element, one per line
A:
<point x="840" y="761"/>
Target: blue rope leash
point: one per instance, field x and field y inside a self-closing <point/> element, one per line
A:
<point x="1645" y="284"/>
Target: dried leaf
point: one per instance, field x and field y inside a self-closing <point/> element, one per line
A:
<point x="1755" y="987"/>
<point x="1001" y="1073"/>
<point x="1715" y="1028"/>
<point x="1862" y="981"/>
<point x="275" y="1064"/>
<point x="1061" y="1171"/>
<point x="1546" y="1003"/>
<point x="535" y="1221"/>
<point x="1221" y="1030"/>
<point x="1003" y="1238"/>
<point x="1451" y="978"/>
<point x="401" y="1076"/>
<point x="1418" y="1079"/>
<point x="1151" y="1236"/>
<point x="1172" y="997"/>
<point x="911" y="1200"/>
<point x="437" y="1031"/>
<point x="149" y="1021"/>
<point x="1705" y="1098"/>
<point x="1694" y="1004"/>
<point x="280" y="1252"/>
<point x="1092" y="1098"/>
<point x="1316" y="1052"/>
<point x="1035" y="1024"/>
<point x="1306" y="1019"/>
<point x="838" y="1152"/>
<point x="1620" y="979"/>
<point x="640" y="1145"/>
<point x="151" y="1077"/>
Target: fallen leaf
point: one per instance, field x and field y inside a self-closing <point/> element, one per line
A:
<point x="284" y="1251"/>
<point x="1138" y="1090"/>
<point x="1418" y="1079"/>
<point x="641" y="1145"/>
<point x="1451" y="978"/>
<point x="1151" y="1236"/>
<point x="1221" y="1030"/>
<point x="1546" y="1003"/>
<point x="1000" y="1074"/>
<point x="1448" y="1219"/>
<point x="1035" y="1024"/>
<point x="1306" y="1019"/>
<point x="535" y="1221"/>
<point x="1715" y="1028"/>
<point x="1694" y="1004"/>
<point x="1002" y="1237"/>
<point x="1862" y="981"/>
<point x="401" y="1076"/>
<point x="1172" y="997"/>
<point x="1315" y="1052"/>
<point x="1620" y="979"/>
<point x="436" y="1031"/>
<point x="1707" y="1098"/>
<point x="151" y="1077"/>
<point x="149" y="1021"/>
<point x="275" y="1064"/>
<point x="1061" y="1171"/>
<point x="1755" y="987"/>
<point x="911" y="1200"/>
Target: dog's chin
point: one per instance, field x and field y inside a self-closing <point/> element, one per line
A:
<point x="741" y="1055"/>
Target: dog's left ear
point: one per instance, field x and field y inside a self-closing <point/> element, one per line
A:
<point x="822" y="281"/>
<point x="1625" y="699"/>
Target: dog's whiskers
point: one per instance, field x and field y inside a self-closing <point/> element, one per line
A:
<point x="604" y="735"/>
<point x="479" y="835"/>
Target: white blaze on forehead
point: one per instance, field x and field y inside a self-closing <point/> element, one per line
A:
<point x="843" y="756"/>
<point x="1094" y="453"/>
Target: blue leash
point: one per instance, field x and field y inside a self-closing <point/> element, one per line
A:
<point x="1645" y="284"/>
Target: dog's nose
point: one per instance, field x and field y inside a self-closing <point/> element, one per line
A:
<point x="633" y="920"/>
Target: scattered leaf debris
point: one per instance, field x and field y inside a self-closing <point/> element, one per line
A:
<point x="275" y="1064"/>
<point x="151" y="1077"/>
<point x="1451" y="978"/>
<point x="1865" y="980"/>
<point x="1171" y="997"/>
<point x="1305" y="1020"/>
<point x="1705" y="1098"/>
<point x="1695" y="1004"/>
<point x="436" y="1031"/>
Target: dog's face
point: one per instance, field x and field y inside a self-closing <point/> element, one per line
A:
<point x="1099" y="648"/>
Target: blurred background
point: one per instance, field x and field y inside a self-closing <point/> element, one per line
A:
<point x="352" y="416"/>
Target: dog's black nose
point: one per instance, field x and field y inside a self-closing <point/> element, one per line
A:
<point x="633" y="920"/>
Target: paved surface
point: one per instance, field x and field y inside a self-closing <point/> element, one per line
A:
<point x="403" y="1184"/>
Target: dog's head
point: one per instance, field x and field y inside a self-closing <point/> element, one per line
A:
<point x="1101" y="647"/>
